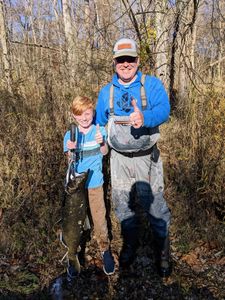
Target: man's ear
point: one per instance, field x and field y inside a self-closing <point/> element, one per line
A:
<point x="138" y="61"/>
<point x="114" y="63"/>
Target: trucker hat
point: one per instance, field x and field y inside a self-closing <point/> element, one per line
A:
<point x="125" y="47"/>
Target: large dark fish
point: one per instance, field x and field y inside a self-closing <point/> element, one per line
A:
<point x="74" y="219"/>
<point x="74" y="215"/>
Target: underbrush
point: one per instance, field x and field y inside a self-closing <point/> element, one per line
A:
<point x="195" y="167"/>
<point x="32" y="175"/>
<point x="32" y="170"/>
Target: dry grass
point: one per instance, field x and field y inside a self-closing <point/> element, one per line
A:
<point x="194" y="159"/>
<point x="32" y="167"/>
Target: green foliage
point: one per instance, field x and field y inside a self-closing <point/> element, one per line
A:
<point x="148" y="33"/>
<point x="23" y="282"/>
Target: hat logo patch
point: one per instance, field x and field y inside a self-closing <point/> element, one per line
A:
<point x="124" y="46"/>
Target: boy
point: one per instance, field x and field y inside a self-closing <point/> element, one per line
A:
<point x="90" y="146"/>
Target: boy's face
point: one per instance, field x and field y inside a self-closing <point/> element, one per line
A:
<point x="85" y="119"/>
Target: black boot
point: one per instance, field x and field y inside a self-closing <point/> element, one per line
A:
<point x="129" y="230"/>
<point x="127" y="256"/>
<point x="164" y="263"/>
<point x="73" y="270"/>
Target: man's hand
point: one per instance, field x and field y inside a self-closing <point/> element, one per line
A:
<point x="136" y="118"/>
<point x="98" y="136"/>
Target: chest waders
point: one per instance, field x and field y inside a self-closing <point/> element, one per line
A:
<point x="137" y="179"/>
<point x="126" y="139"/>
<point x="74" y="212"/>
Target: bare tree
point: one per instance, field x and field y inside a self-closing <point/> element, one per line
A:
<point x="183" y="45"/>
<point x="5" y="47"/>
<point x="162" y="39"/>
<point x="71" y="37"/>
<point x="89" y="38"/>
<point x="172" y="42"/>
<point x="103" y="11"/>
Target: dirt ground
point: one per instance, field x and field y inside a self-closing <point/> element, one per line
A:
<point x="199" y="274"/>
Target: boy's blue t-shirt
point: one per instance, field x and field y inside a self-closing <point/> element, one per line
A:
<point x="89" y="155"/>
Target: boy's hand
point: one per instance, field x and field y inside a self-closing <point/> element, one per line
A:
<point x="98" y="136"/>
<point x="71" y="145"/>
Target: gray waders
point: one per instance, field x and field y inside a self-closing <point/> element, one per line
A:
<point x="136" y="169"/>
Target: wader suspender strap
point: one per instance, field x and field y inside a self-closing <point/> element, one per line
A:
<point x="143" y="96"/>
<point x="111" y="98"/>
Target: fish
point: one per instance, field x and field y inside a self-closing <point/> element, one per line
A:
<point x="74" y="213"/>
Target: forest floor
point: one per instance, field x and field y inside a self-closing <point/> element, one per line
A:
<point x="197" y="274"/>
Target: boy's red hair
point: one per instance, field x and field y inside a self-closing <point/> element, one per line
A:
<point x="80" y="104"/>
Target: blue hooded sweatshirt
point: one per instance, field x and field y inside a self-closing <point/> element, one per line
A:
<point x="158" y="107"/>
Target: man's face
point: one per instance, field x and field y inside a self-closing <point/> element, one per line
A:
<point x="126" y="67"/>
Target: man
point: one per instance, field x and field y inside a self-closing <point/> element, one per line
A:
<point x="134" y="107"/>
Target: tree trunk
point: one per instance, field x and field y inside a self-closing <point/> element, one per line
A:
<point x="103" y="14"/>
<point x="71" y="40"/>
<point x="185" y="38"/>
<point x="5" y="48"/>
<point x="220" y="49"/>
<point x="161" y="28"/>
<point x="88" y="40"/>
